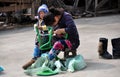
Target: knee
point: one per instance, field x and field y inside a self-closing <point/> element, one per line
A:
<point x="36" y="52"/>
<point x="58" y="46"/>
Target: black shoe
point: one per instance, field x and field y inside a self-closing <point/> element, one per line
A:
<point x="116" y="48"/>
<point x="106" y="55"/>
<point x="102" y="49"/>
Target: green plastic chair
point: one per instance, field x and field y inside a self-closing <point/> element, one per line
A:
<point x="48" y="44"/>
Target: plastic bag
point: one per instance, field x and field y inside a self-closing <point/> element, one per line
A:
<point x="59" y="66"/>
<point x="75" y="64"/>
<point x="1" y="69"/>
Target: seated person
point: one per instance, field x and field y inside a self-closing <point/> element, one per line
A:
<point x="42" y="10"/>
<point x="62" y="23"/>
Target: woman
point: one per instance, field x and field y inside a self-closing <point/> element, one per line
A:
<point x="62" y="23"/>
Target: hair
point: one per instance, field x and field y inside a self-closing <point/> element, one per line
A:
<point x="56" y="11"/>
<point x="49" y="17"/>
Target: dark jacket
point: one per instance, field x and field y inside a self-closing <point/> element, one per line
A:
<point x="67" y="22"/>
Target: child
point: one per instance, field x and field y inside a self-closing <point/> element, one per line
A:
<point x="42" y="10"/>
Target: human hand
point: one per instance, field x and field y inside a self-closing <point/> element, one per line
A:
<point x="40" y="27"/>
<point x="59" y="31"/>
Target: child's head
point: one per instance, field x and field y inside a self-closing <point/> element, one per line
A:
<point x="42" y="10"/>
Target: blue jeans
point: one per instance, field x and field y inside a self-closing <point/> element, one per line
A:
<point x="37" y="52"/>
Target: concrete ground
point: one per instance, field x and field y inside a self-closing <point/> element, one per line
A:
<point x="16" y="47"/>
